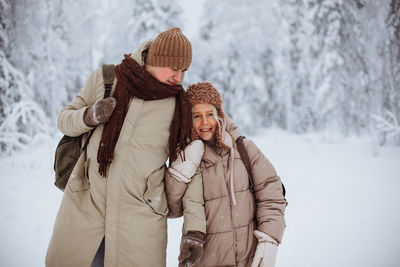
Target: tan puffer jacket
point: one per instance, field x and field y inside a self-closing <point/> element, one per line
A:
<point x="229" y="227"/>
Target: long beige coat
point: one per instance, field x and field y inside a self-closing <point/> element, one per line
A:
<point x="229" y="238"/>
<point x="129" y="207"/>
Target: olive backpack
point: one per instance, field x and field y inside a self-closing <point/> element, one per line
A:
<point x="70" y="148"/>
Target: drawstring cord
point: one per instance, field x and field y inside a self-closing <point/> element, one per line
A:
<point x="231" y="178"/>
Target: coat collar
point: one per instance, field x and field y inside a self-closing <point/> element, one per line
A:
<point x="138" y="55"/>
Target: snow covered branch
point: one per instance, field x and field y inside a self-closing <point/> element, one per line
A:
<point x="25" y="122"/>
<point x="387" y="124"/>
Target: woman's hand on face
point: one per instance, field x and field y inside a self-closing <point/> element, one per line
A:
<point x="185" y="166"/>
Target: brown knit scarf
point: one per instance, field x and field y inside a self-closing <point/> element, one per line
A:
<point x="134" y="80"/>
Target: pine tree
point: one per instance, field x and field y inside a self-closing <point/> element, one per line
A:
<point x="133" y="22"/>
<point x="294" y="55"/>
<point x="21" y="119"/>
<point x="237" y="57"/>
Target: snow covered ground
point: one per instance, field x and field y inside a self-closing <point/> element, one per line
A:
<point x="343" y="203"/>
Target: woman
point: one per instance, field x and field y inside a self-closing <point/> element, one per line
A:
<point x="234" y="235"/>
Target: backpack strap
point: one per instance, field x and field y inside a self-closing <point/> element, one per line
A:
<point x="245" y="158"/>
<point x="246" y="161"/>
<point x="108" y="78"/>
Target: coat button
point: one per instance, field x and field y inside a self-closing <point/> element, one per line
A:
<point x="149" y="200"/>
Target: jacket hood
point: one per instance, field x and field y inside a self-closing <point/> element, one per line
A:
<point x="138" y="54"/>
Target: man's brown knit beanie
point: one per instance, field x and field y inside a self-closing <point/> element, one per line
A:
<point x="172" y="49"/>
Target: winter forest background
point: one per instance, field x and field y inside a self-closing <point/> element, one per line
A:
<point x="327" y="66"/>
<point x="315" y="83"/>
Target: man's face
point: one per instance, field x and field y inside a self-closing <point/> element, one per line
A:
<point x="166" y="75"/>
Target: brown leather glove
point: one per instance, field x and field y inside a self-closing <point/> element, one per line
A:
<point x="191" y="248"/>
<point x="100" y="112"/>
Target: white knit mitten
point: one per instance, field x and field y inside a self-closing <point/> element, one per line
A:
<point x="266" y="251"/>
<point x="183" y="171"/>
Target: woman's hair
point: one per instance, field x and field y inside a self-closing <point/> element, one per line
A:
<point x="216" y="117"/>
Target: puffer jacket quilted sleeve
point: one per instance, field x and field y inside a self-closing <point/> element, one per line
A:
<point x="193" y="205"/>
<point x="186" y="199"/>
<point x="268" y="190"/>
<point x="174" y="190"/>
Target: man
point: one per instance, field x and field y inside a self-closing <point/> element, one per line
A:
<point x="113" y="211"/>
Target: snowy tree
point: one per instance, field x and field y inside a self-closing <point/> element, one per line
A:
<point x="331" y="91"/>
<point x="340" y="70"/>
<point x="46" y="55"/>
<point x="133" y="22"/>
<point x="392" y="101"/>
<point x="151" y="17"/>
<point x="54" y="46"/>
<point x="42" y="66"/>
<point x="13" y="88"/>
<point x="40" y="49"/>
<point x="387" y="126"/>
<point x="295" y="65"/>
<point x="22" y="120"/>
<point x="370" y="64"/>
<point x="237" y="57"/>
<point x="8" y="75"/>
<point x="302" y="65"/>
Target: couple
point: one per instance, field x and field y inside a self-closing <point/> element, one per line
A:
<point x="114" y="209"/>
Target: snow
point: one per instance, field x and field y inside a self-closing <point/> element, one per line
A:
<point x="293" y="64"/>
<point x="343" y="202"/>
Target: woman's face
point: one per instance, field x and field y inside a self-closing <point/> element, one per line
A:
<point x="204" y="121"/>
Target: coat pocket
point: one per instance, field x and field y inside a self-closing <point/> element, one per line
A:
<point x="78" y="180"/>
<point x="155" y="193"/>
